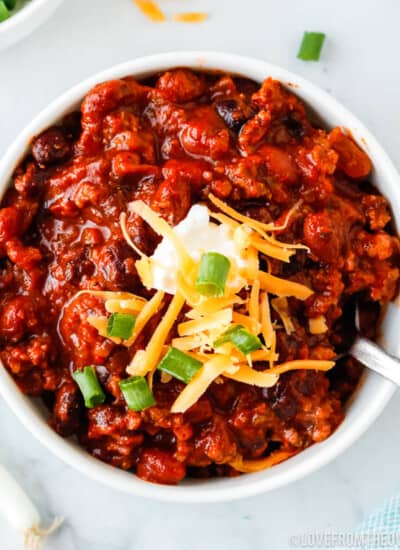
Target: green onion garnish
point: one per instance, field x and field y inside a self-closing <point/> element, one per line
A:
<point x="121" y="325"/>
<point x="241" y="338"/>
<point x="10" y="4"/>
<point x="311" y="46"/>
<point x="4" y="13"/>
<point x="179" y="365"/>
<point x="137" y="394"/>
<point x="89" y="386"/>
<point x="212" y="275"/>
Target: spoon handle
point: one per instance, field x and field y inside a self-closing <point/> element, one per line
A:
<point x="373" y="357"/>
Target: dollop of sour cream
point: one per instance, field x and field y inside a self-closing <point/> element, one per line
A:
<point x="199" y="235"/>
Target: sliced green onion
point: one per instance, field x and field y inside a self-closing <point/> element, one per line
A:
<point x="137" y="394"/>
<point x="121" y="325"/>
<point x="311" y="46"/>
<point x="179" y="365"/>
<point x="10" y="4"/>
<point x="241" y="338"/>
<point x="4" y="13"/>
<point x="89" y="386"/>
<point x="213" y="272"/>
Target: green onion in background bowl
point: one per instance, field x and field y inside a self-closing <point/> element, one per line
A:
<point x="18" y="18"/>
<point x="9" y="8"/>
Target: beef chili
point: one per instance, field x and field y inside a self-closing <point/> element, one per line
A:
<point x="82" y="220"/>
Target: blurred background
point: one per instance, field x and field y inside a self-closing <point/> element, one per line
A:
<point x="359" y="66"/>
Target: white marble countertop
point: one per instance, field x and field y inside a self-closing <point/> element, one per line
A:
<point x="360" y="67"/>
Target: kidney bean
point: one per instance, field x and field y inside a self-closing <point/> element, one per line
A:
<point x="172" y="200"/>
<point x="115" y="266"/>
<point x="204" y="135"/>
<point x="71" y="125"/>
<point x="232" y="114"/>
<point x="322" y="236"/>
<point x="217" y="441"/>
<point x="160" y="466"/>
<point x="50" y="147"/>
<point x="67" y="409"/>
<point x="280" y="164"/>
<point x="294" y="126"/>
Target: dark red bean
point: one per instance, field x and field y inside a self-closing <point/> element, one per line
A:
<point x="231" y="113"/>
<point x="71" y="124"/>
<point x="294" y="127"/>
<point x="67" y="408"/>
<point x="50" y="147"/>
<point x="115" y="267"/>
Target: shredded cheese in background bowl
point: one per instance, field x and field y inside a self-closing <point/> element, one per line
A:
<point x="201" y="320"/>
<point x="153" y="12"/>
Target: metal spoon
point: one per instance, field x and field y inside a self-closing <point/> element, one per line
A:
<point x="373" y="356"/>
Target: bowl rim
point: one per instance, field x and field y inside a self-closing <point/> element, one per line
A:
<point x="22" y="14"/>
<point x="224" y="489"/>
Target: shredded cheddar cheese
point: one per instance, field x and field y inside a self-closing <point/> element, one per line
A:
<point x="219" y="320"/>
<point x="251" y="323"/>
<point x="266" y="323"/>
<point x="186" y="286"/>
<point x="232" y="213"/>
<point x="188" y="343"/>
<point x="132" y="305"/>
<point x="155" y="345"/>
<point x="146" y="313"/>
<point x="212" y="305"/>
<point x="200" y="382"/>
<point x="318" y="325"/>
<point x="165" y="377"/>
<point x="246" y="236"/>
<point x="100" y="324"/>
<point x="274" y="356"/>
<point x="138" y="366"/>
<point x="127" y="237"/>
<point x="254" y="301"/>
<point x="281" y="306"/>
<point x="302" y="364"/>
<point x="190" y="17"/>
<point x="256" y="465"/>
<point x="262" y="355"/>
<point x="246" y="301"/>
<point x="269" y="249"/>
<point x="253" y="264"/>
<point x="151" y="10"/>
<point x="247" y="375"/>
<point x="283" y="287"/>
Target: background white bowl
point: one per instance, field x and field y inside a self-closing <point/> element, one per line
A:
<point x="25" y="20"/>
<point x="373" y="393"/>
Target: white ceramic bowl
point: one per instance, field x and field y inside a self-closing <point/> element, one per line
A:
<point x="25" y="20"/>
<point x="373" y="393"/>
